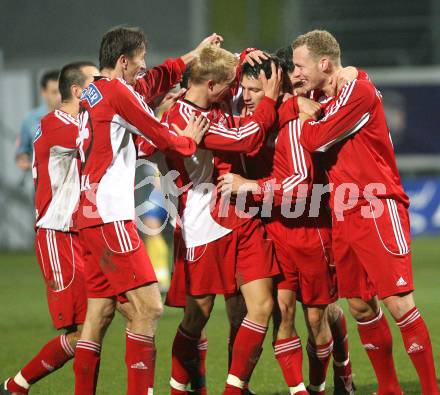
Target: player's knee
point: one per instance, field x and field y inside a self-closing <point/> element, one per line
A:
<point x="73" y="335"/>
<point x="236" y="318"/>
<point x="399" y="305"/>
<point x="333" y="313"/>
<point x="194" y="321"/>
<point x="107" y="317"/>
<point x="261" y="310"/>
<point x="151" y="310"/>
<point x="361" y="311"/>
<point x="287" y="313"/>
<point x="315" y="318"/>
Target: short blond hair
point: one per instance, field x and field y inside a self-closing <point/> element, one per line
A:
<point x="213" y="63"/>
<point x="320" y="43"/>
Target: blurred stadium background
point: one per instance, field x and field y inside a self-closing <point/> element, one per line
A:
<point x="396" y="41"/>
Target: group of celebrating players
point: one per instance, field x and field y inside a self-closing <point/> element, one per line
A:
<point x="250" y="137"/>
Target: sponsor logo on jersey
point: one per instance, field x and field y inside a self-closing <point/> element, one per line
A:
<point x="92" y="95"/>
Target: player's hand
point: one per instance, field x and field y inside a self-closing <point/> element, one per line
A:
<point x="272" y="86"/>
<point x="342" y="77"/>
<point x="304" y="117"/>
<point x="196" y="128"/>
<point x="256" y="56"/>
<point x="309" y="107"/>
<point x="231" y="183"/>
<point x="170" y="99"/>
<point x="287" y="96"/>
<point x="298" y="89"/>
<point x="213" y="39"/>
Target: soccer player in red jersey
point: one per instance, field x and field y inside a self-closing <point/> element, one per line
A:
<point x="59" y="254"/>
<point x="371" y="236"/>
<point x="224" y="250"/>
<point x="305" y="273"/>
<point x="116" y="264"/>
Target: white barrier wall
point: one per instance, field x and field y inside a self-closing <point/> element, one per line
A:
<point x="16" y="189"/>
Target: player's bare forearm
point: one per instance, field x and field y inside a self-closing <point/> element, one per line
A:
<point x="231" y="183"/>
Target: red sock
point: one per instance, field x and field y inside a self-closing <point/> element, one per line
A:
<point x="140" y="358"/>
<point x="253" y="365"/>
<point x="185" y="361"/>
<point x="288" y="353"/>
<point x="86" y="367"/>
<point x="51" y="357"/>
<point x="246" y="349"/>
<point x="198" y="384"/>
<point x="377" y="340"/>
<point x="341" y="357"/>
<point x="418" y="346"/>
<point x="233" y="330"/>
<point x="319" y="358"/>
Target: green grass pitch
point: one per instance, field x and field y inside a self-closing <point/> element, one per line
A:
<point x="25" y="326"/>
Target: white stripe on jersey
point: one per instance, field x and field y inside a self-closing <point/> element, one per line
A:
<point x="237" y="133"/>
<point x="362" y="121"/>
<point x="65" y="117"/>
<point x="298" y="159"/>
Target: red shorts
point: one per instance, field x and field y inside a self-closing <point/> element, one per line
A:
<point x="116" y="260"/>
<point x="176" y="295"/>
<point x="372" y="252"/>
<point x="60" y="257"/>
<point x="222" y="266"/>
<point x="303" y="252"/>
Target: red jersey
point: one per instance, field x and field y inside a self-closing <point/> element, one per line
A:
<point x="204" y="217"/>
<point x="293" y="170"/>
<point x="55" y="171"/>
<point x="160" y="79"/>
<point x="354" y="136"/>
<point x="111" y="114"/>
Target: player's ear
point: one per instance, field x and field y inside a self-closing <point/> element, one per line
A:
<point x="123" y="60"/>
<point x="76" y="91"/>
<point x="324" y="65"/>
<point x="211" y="84"/>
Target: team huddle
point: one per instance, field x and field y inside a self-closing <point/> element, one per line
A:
<point x="289" y="192"/>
